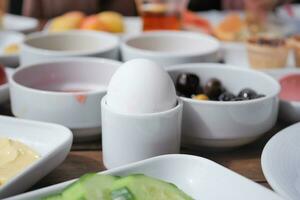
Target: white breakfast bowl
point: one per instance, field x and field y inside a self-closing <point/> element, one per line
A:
<point x="8" y="38"/>
<point x="289" y="111"/>
<point x="171" y="47"/>
<point x="67" y="92"/>
<point x="228" y="124"/>
<point x="39" y="46"/>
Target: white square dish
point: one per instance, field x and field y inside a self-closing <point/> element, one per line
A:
<point x="52" y="142"/>
<point x="198" y="177"/>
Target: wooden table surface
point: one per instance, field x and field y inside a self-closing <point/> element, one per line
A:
<point x="87" y="157"/>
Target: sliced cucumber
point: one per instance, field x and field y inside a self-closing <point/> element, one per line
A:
<point x="53" y="197"/>
<point x="142" y="187"/>
<point x="90" y="187"/>
<point x="121" y="194"/>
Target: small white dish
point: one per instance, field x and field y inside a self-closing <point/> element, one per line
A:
<point x="19" y="23"/>
<point x="289" y="111"/>
<point x="4" y="89"/>
<point x="170" y="47"/>
<point x="52" y="142"/>
<point x="281" y="162"/>
<point x="8" y="38"/>
<point x="39" y="46"/>
<point x="233" y="123"/>
<point x="199" y="177"/>
<point x="67" y="91"/>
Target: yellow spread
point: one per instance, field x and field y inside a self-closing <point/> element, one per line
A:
<point x="14" y="157"/>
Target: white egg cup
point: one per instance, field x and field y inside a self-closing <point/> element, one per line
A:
<point x="128" y="138"/>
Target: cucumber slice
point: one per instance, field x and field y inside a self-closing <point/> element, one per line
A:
<point x="145" y="188"/>
<point x="121" y="194"/>
<point x="53" y="197"/>
<point x="90" y="187"/>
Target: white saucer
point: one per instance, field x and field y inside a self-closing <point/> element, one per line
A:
<point x="52" y="142"/>
<point x="19" y="23"/>
<point x="281" y="162"/>
<point x="198" y="177"/>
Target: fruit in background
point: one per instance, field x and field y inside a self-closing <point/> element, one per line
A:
<point x="231" y="28"/>
<point x="75" y="14"/>
<point x="3" y="78"/>
<point x="112" y="20"/>
<point x="66" y="22"/>
<point x="93" y="23"/>
<point x="192" y="21"/>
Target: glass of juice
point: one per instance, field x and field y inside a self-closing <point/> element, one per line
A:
<point x="161" y="14"/>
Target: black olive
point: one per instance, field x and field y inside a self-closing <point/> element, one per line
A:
<point x="247" y="93"/>
<point x="213" y="89"/>
<point x="188" y="84"/>
<point x="227" y="96"/>
<point x="239" y="99"/>
<point x="259" y="96"/>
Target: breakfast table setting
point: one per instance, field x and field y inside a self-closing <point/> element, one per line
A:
<point x="170" y="104"/>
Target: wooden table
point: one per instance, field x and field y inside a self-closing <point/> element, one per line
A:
<point x="87" y="157"/>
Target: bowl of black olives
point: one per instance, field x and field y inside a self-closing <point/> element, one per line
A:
<point x="224" y="106"/>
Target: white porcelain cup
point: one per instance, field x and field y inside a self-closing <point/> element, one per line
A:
<point x="128" y="138"/>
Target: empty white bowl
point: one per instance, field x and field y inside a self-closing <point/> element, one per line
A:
<point x="228" y="124"/>
<point x="171" y="47"/>
<point x="8" y="38"/>
<point x="66" y="92"/>
<point x="45" y="47"/>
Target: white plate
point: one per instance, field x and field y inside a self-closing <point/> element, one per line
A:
<point x="4" y="89"/>
<point x="133" y="26"/>
<point x="20" y="23"/>
<point x="8" y="38"/>
<point x="281" y="162"/>
<point x="198" y="177"/>
<point x="52" y="142"/>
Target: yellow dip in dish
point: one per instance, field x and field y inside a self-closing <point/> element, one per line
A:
<point x="14" y="157"/>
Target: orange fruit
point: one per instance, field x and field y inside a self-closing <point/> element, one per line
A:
<point x="93" y="23"/>
<point x="229" y="28"/>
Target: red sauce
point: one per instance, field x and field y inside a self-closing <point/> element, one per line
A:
<point x="290" y="87"/>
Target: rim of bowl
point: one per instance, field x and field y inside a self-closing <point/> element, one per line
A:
<point x="193" y="35"/>
<point x="13" y="82"/>
<point x="232" y="68"/>
<point x="17" y="34"/>
<point x="179" y="105"/>
<point x="43" y="35"/>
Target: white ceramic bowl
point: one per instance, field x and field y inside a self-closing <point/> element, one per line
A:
<point x="45" y="47"/>
<point x="289" y="111"/>
<point x="171" y="47"/>
<point x="66" y="92"/>
<point x="51" y="141"/>
<point x="280" y="162"/>
<point x="228" y="124"/>
<point x="8" y="38"/>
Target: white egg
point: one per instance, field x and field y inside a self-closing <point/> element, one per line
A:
<point x="141" y="86"/>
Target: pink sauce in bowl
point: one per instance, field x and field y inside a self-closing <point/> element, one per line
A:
<point x="290" y="87"/>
